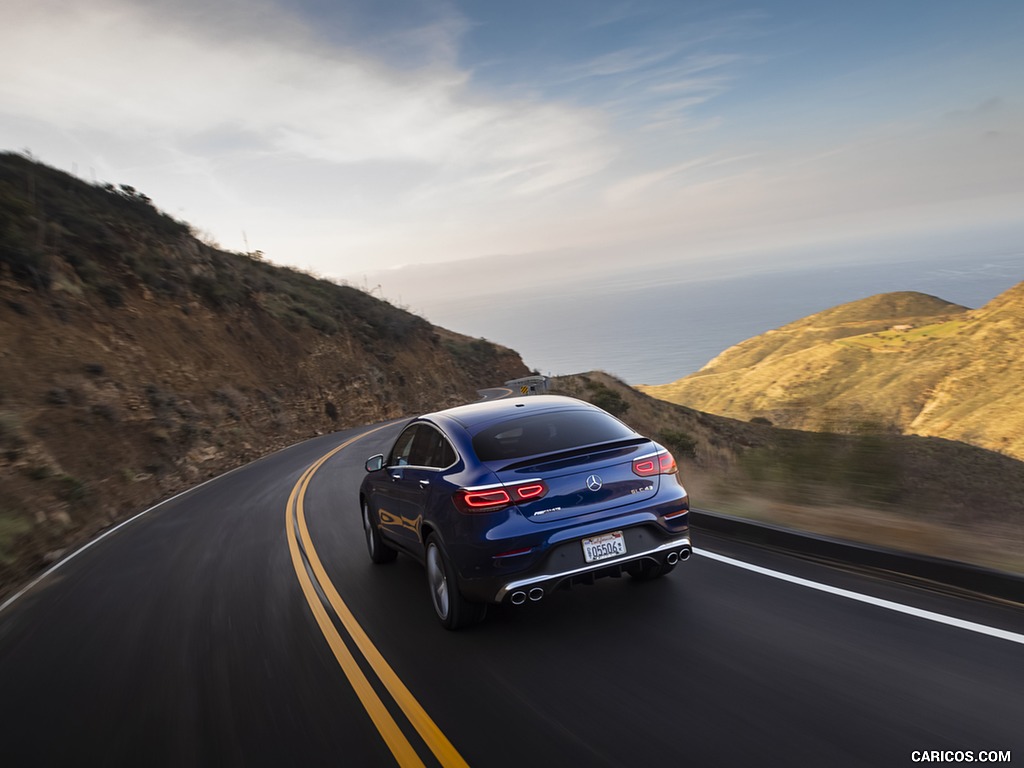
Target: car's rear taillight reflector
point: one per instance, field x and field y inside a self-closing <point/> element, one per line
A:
<point x="645" y="467"/>
<point x="662" y="463"/>
<point x="530" y="490"/>
<point x="514" y="552"/>
<point x="482" y="501"/>
<point x="666" y="463"/>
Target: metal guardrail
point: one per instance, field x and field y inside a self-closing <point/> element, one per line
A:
<point x="949" y="573"/>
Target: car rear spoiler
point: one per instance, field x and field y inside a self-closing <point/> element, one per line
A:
<point x="574" y="453"/>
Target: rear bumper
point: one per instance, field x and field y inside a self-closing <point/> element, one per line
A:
<point x="517" y="591"/>
<point x="648" y="540"/>
<point x="504" y="560"/>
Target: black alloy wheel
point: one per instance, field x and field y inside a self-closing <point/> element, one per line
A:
<point x="452" y="609"/>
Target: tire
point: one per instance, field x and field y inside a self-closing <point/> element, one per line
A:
<point x="379" y="551"/>
<point x="452" y="609"/>
<point x="649" y="570"/>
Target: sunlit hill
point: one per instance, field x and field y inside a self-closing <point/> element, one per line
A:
<point x="899" y="362"/>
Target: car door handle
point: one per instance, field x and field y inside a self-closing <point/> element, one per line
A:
<point x="396" y="476"/>
<point x="424" y="483"/>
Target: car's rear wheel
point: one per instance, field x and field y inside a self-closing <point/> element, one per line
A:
<point x="453" y="610"/>
<point x="379" y="551"/>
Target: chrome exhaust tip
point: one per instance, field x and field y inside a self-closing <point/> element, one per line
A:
<point x="684" y="554"/>
<point x="518" y="598"/>
<point x="536" y="594"/>
<point x="672" y="558"/>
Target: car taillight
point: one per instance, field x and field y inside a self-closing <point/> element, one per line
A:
<point x="528" y="491"/>
<point x="482" y="501"/>
<point x="494" y="498"/>
<point x="662" y="463"/>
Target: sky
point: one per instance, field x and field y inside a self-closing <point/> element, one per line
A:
<point x="356" y="138"/>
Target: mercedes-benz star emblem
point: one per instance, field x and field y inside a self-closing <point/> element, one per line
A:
<point x="594" y="483"/>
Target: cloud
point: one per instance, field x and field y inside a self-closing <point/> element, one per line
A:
<point x="349" y="139"/>
<point x="924" y="176"/>
<point x="653" y="84"/>
<point x="989" y="106"/>
<point x="178" y="80"/>
<point x="639" y="184"/>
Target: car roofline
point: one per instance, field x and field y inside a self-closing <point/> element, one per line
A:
<point x="476" y="414"/>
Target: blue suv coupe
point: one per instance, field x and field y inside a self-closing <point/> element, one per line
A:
<point x="508" y="500"/>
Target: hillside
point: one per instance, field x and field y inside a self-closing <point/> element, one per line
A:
<point x="901" y="362"/>
<point x="917" y="494"/>
<point x="136" y="361"/>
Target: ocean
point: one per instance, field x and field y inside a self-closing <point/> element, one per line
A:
<point x="660" y="326"/>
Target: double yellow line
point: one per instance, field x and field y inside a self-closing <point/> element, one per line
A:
<point x="401" y="748"/>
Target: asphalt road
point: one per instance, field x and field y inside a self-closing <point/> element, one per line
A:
<point x="212" y="630"/>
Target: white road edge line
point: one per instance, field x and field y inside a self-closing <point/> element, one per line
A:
<point x="98" y="539"/>
<point x="64" y="561"/>
<point x="939" y="618"/>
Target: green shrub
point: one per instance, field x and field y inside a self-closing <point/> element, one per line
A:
<point x="39" y="472"/>
<point x="606" y="398"/>
<point x="10" y="429"/>
<point x="71" y="488"/>
<point x="471" y="353"/>
<point x="680" y="444"/>
<point x="110" y="292"/>
<point x="12" y="526"/>
<point x="861" y="468"/>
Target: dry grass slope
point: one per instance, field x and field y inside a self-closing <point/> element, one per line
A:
<point x="896" y="362"/>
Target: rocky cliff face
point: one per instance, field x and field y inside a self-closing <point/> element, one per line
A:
<point x="136" y="361"/>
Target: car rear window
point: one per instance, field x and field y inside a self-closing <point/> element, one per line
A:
<point x="547" y="433"/>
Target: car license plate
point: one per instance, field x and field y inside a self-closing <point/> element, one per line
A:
<point x="605" y="546"/>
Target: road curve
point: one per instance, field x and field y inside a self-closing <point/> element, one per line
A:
<point x="212" y="630"/>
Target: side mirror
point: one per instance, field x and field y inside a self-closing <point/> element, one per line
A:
<point x="375" y="463"/>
